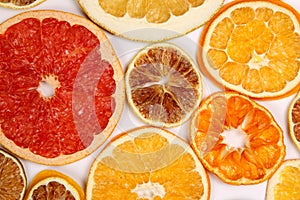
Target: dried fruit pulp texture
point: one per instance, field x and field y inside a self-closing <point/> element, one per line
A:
<point x="296" y="119"/>
<point x="55" y="52"/>
<point x="149" y="174"/>
<point x="155" y="11"/>
<point x="164" y="85"/>
<point x="256" y="47"/>
<point x="258" y="153"/>
<point x="12" y="179"/>
<point x="19" y="2"/>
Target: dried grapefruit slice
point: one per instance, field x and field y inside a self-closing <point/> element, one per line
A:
<point x="61" y="87"/>
<point x="20" y="4"/>
<point x="253" y="47"/>
<point x="163" y="85"/>
<point x="285" y="183"/>
<point x="150" y="20"/>
<point x="237" y="139"/>
<point x="147" y="163"/>
<point x="12" y="177"/>
<point x="294" y="120"/>
<point x="50" y="184"/>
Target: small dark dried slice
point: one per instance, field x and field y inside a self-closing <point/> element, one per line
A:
<point x="294" y="120"/>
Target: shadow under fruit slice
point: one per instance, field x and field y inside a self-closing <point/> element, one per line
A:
<point x="50" y="184"/>
<point x="163" y="85"/>
<point x="61" y="87"/>
<point x="147" y="163"/>
<point x="20" y="4"/>
<point x="12" y="177"/>
<point x="237" y="139"/>
<point x="294" y="120"/>
<point x="252" y="47"/>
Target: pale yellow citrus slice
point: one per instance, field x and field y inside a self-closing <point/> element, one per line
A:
<point x="150" y="20"/>
<point x="50" y="184"/>
<point x="294" y="120"/>
<point x="163" y="85"/>
<point x="147" y="163"/>
<point x="285" y="183"/>
<point x="20" y="4"/>
<point x="253" y="47"/>
<point x="237" y="139"/>
<point x="13" y="180"/>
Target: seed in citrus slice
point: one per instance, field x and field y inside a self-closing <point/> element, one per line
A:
<point x="150" y="20"/>
<point x="50" y="184"/>
<point x="163" y="85"/>
<point x="253" y="47"/>
<point x="20" y="4"/>
<point x="12" y="177"/>
<point x="147" y="163"/>
<point x="237" y="139"/>
<point x="294" y="120"/>
<point x="61" y="87"/>
<point x="285" y="183"/>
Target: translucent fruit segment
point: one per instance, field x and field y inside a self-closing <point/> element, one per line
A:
<point x="153" y="10"/>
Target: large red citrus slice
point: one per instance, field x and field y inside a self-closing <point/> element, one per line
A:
<point x="61" y="87"/>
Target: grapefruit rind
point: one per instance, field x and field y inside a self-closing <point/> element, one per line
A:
<point x="17" y="7"/>
<point x="107" y="53"/>
<point x="136" y="132"/>
<point x="141" y="30"/>
<point x="224" y="12"/>
<point x="128" y="88"/>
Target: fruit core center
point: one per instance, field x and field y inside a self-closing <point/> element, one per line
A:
<point x="164" y="80"/>
<point x="259" y="61"/>
<point x="47" y="86"/>
<point x="235" y="138"/>
<point x="149" y="190"/>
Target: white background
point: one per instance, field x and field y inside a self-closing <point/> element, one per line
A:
<point x="126" y="49"/>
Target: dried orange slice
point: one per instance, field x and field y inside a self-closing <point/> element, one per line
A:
<point x="20" y="4"/>
<point x="253" y="47"/>
<point x="285" y="183"/>
<point x="237" y="139"/>
<point x="294" y="120"/>
<point x="12" y="177"/>
<point x="163" y="85"/>
<point x="150" y="20"/>
<point x="50" y="184"/>
<point x="61" y="87"/>
<point x="147" y="163"/>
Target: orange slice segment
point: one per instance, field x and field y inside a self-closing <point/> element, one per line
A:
<point x="294" y="120"/>
<point x="163" y="85"/>
<point x="285" y="183"/>
<point x="50" y="184"/>
<point x="20" y="4"/>
<point x="237" y="139"/>
<point x="150" y="20"/>
<point x="147" y="163"/>
<point x="252" y="47"/>
<point x="13" y="180"/>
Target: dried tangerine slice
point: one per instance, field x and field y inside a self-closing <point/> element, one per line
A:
<point x="20" y="4"/>
<point x="50" y="184"/>
<point x="61" y="87"/>
<point x="294" y="120"/>
<point x="147" y="163"/>
<point x="13" y="180"/>
<point x="237" y="139"/>
<point x="285" y="183"/>
<point x="150" y="20"/>
<point x="163" y="85"/>
<point x="253" y="47"/>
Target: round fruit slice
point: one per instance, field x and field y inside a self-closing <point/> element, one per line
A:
<point x="285" y="183"/>
<point x="12" y="177"/>
<point x="20" y="4"/>
<point x="294" y="120"/>
<point x="163" y="85"/>
<point x="50" y="184"/>
<point x="253" y="47"/>
<point x="237" y="139"/>
<point x="150" y="20"/>
<point x="147" y="163"/>
<point x="61" y="87"/>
